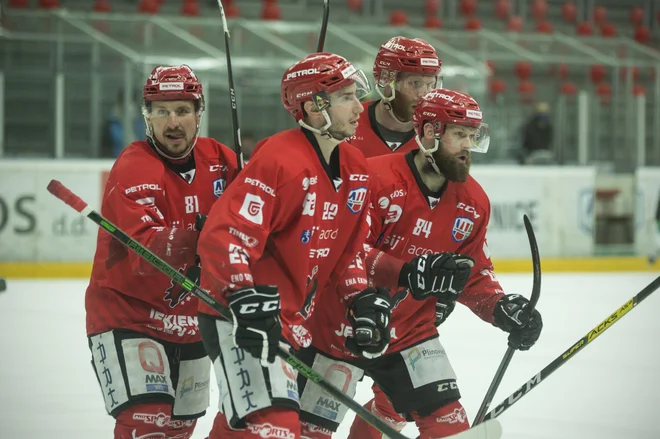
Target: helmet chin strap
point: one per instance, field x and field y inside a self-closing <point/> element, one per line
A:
<point x="428" y="153"/>
<point x="323" y="131"/>
<point x="387" y="103"/>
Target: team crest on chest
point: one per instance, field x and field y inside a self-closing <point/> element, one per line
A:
<point x="219" y="186"/>
<point x="356" y="199"/>
<point x="462" y="228"/>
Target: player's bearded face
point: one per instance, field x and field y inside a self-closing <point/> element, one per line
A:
<point x="409" y="89"/>
<point x="174" y="125"/>
<point x="453" y="156"/>
<point x="344" y="112"/>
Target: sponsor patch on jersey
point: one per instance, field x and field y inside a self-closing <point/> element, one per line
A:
<point x="356" y="199"/>
<point x="306" y="236"/>
<point x="462" y="228"/>
<point x="219" y="186"/>
<point x="252" y="209"/>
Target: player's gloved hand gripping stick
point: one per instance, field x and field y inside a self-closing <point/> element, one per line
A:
<point x="488" y="430"/>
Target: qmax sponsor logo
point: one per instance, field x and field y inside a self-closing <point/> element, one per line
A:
<point x="469" y="209"/>
<point x="161" y="420"/>
<point x="304" y="72"/>
<point x="174" y="324"/>
<point x="156" y="383"/>
<point x="347" y="331"/>
<point x="522" y="391"/>
<point x="508" y="216"/>
<point x="292" y="390"/>
<point x="264" y="187"/>
<point x="247" y="240"/>
<point x="327" y="408"/>
<point x="270" y="431"/>
<point x="142" y="187"/>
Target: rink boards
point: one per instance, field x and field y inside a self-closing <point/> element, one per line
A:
<point x="42" y="237"/>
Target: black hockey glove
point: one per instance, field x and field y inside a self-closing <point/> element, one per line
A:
<point x="369" y="314"/>
<point x="428" y="275"/>
<point x="200" y="220"/>
<point x="444" y="307"/>
<point x="256" y="315"/>
<point x="511" y="316"/>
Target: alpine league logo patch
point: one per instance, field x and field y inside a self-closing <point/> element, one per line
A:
<point x="356" y="199"/>
<point x="462" y="228"/>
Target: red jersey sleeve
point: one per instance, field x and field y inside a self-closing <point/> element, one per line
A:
<point x="483" y="290"/>
<point x="239" y="223"/>
<point x="135" y="202"/>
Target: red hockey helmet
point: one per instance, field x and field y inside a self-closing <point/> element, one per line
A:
<point x="401" y="54"/>
<point x="173" y="84"/>
<point x="316" y="76"/>
<point x="443" y="107"/>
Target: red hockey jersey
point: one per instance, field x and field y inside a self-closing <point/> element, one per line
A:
<point x="289" y="220"/>
<point x="407" y="221"/>
<point x="156" y="205"/>
<point x="368" y="140"/>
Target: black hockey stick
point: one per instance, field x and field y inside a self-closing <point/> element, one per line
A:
<point x="63" y="193"/>
<point x="324" y="25"/>
<point x="238" y="146"/>
<point x="577" y="347"/>
<point x="536" y="293"/>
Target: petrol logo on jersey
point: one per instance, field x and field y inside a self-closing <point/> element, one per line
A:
<point x="462" y="228"/>
<point x="356" y="199"/>
<point x="219" y="186"/>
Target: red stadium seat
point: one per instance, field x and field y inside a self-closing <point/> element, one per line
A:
<point x="468" y="7"/>
<point x="472" y="23"/>
<point x="584" y="29"/>
<point x="569" y="12"/>
<point x="102" y="6"/>
<point x="597" y="73"/>
<point x="637" y="16"/>
<point x="497" y="87"/>
<point x="544" y="27"/>
<point x="604" y="92"/>
<point x="526" y="90"/>
<point x="642" y="34"/>
<point x="523" y="70"/>
<point x="600" y="15"/>
<point x="515" y="24"/>
<point x="232" y="11"/>
<point x="354" y="5"/>
<point x="19" y="4"/>
<point x="503" y="9"/>
<point x="638" y="90"/>
<point x="568" y="88"/>
<point x="48" y="4"/>
<point x="398" y="18"/>
<point x="432" y="7"/>
<point x="190" y="8"/>
<point x="608" y="30"/>
<point x="148" y="7"/>
<point x="433" y="22"/>
<point x="271" y="11"/>
<point x="539" y="10"/>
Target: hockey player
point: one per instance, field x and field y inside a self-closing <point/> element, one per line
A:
<point x="428" y="213"/>
<point x="293" y="221"/>
<point x="405" y="69"/>
<point x="142" y="328"/>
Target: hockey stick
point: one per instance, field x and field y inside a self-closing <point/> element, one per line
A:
<point x="577" y="347"/>
<point x="63" y="193"/>
<point x="324" y="25"/>
<point x="238" y="146"/>
<point x="536" y="293"/>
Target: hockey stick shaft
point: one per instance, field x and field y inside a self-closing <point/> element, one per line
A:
<point x="324" y="25"/>
<point x="63" y="193"/>
<point x="536" y="293"/>
<point x="574" y="349"/>
<point x="238" y="146"/>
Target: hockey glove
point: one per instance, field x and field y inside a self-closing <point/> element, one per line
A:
<point x="369" y="315"/>
<point x="256" y="317"/>
<point x="427" y="275"/>
<point x="511" y="316"/>
<point x="444" y="307"/>
<point x="200" y="220"/>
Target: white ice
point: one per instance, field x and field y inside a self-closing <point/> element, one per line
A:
<point x="608" y="391"/>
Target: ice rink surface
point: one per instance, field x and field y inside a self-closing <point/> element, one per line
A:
<point x="608" y="391"/>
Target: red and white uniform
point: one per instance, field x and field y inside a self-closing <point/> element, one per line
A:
<point x="368" y="140"/>
<point x="406" y="222"/>
<point x="155" y="205"/>
<point x="289" y="221"/>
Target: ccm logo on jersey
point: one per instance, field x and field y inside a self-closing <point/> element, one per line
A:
<point x="470" y="209"/>
<point x="301" y="73"/>
<point x="252" y="182"/>
<point x="358" y="177"/>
